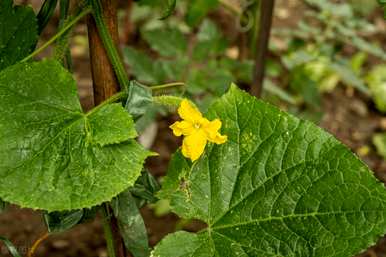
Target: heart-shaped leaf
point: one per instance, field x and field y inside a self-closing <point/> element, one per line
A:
<point x="52" y="155"/>
<point x="280" y="186"/>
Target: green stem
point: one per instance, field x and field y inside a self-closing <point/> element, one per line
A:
<point x="57" y="35"/>
<point x="109" y="45"/>
<point x="107" y="231"/>
<point x="167" y="86"/>
<point x="118" y="96"/>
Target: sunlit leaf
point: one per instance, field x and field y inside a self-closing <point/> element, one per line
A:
<point x="53" y="156"/>
<point x="280" y="186"/>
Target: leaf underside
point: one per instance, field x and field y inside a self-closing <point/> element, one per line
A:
<point x="18" y="30"/>
<point x="280" y="186"/>
<point x="52" y="155"/>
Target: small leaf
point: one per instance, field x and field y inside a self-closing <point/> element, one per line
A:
<point x="167" y="42"/>
<point x="131" y="224"/>
<point x="3" y="205"/>
<point x="302" y="83"/>
<point x="139" y="99"/>
<point x="145" y="188"/>
<point x="142" y="66"/>
<point x="11" y="248"/>
<point x="377" y="84"/>
<point x="379" y="140"/>
<point x="55" y="157"/>
<point x="169" y="9"/>
<point x="62" y="221"/>
<point x="280" y="186"/>
<point x="45" y="14"/>
<point x="18" y="29"/>
<point x="198" y="9"/>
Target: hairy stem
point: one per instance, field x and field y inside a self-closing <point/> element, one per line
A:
<point x="107" y="231"/>
<point x="167" y="86"/>
<point x="109" y="45"/>
<point x="71" y="23"/>
<point x="115" y="98"/>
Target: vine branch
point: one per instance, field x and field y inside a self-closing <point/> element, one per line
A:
<point x="265" y="13"/>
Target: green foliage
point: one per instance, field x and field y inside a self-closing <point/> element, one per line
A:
<point x="45" y="14"/>
<point x="377" y="83"/>
<point x="62" y="221"/>
<point x="3" y="205"/>
<point x="18" y="30"/>
<point x="145" y="189"/>
<point x="280" y="186"/>
<point x="11" y="248"/>
<point x="379" y="140"/>
<point x="198" y="9"/>
<point x="167" y="42"/>
<point x="167" y="6"/>
<point x="131" y="224"/>
<point x="139" y="99"/>
<point x="53" y="156"/>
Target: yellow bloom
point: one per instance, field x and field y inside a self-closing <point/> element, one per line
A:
<point x="197" y="131"/>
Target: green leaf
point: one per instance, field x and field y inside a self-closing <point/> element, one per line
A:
<point x="142" y="67"/>
<point x="18" y="30"/>
<point x="52" y="155"/>
<point x="210" y="42"/>
<point x="11" y="248"/>
<point x="139" y="99"/>
<point x="303" y="83"/>
<point x="145" y="188"/>
<point x="198" y="9"/>
<point x="169" y="8"/>
<point x="377" y="84"/>
<point x="131" y="224"/>
<point x="379" y="140"/>
<point x="348" y="76"/>
<point x="62" y="221"/>
<point x="45" y="14"/>
<point x="167" y="42"/>
<point x="3" y="205"/>
<point x="280" y="186"/>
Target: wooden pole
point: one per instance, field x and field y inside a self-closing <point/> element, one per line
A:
<point x="105" y="83"/>
<point x="264" y="31"/>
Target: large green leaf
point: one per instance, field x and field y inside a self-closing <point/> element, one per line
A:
<point x="18" y="30"/>
<point x="52" y="155"/>
<point x="280" y="186"/>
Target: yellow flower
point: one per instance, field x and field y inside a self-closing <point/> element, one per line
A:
<point x="197" y="131"/>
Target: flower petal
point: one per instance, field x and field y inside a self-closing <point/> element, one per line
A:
<point x="182" y="128"/>
<point x="211" y="130"/>
<point x="194" y="145"/>
<point x="219" y="139"/>
<point x="189" y="112"/>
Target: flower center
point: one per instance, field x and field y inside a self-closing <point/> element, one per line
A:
<point x="197" y="125"/>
